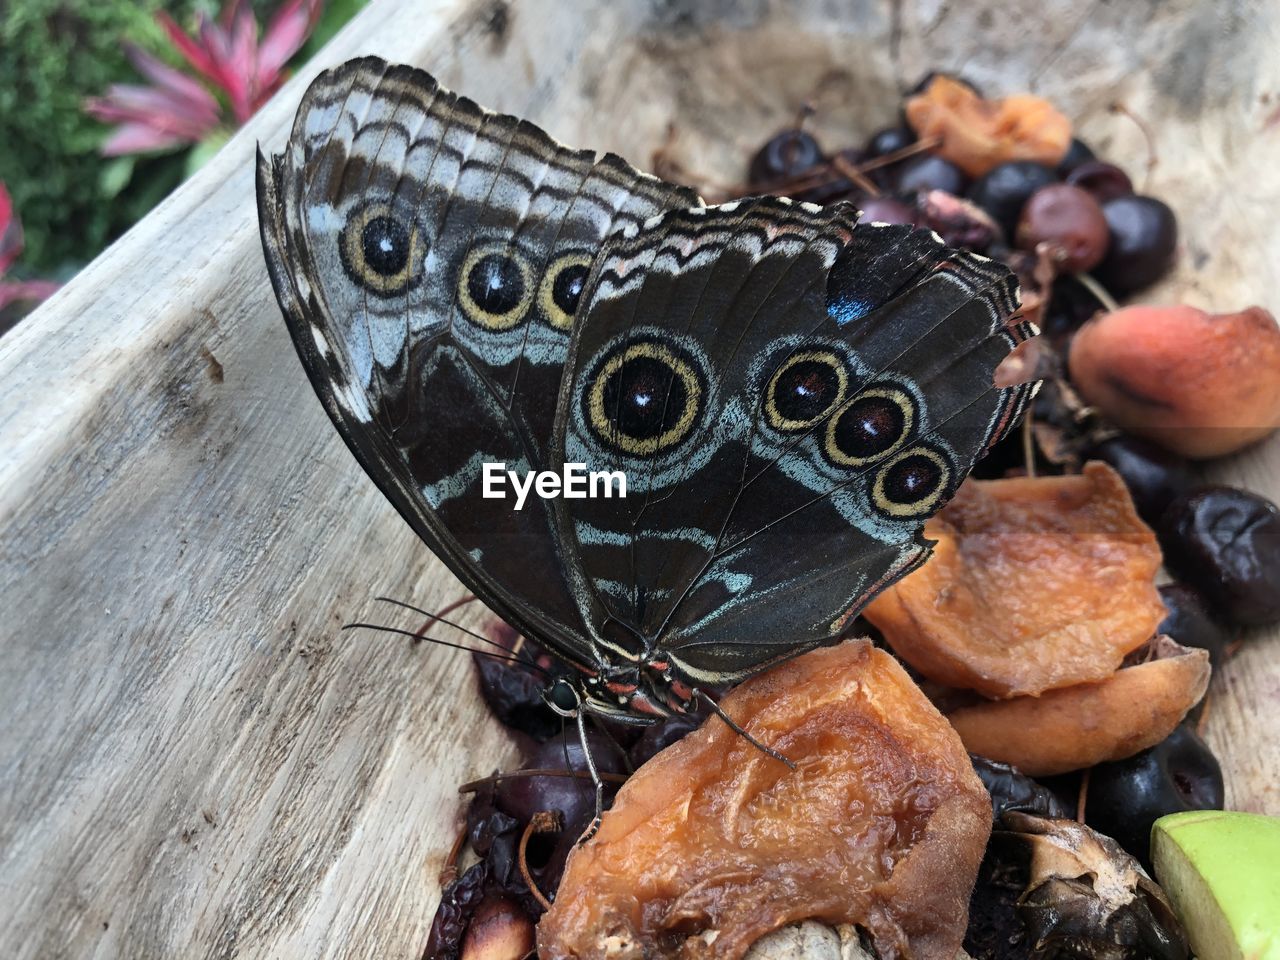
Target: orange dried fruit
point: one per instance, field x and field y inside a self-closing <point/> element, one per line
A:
<point x="712" y="844"/>
<point x="1033" y="584"/>
<point x="978" y="134"/>
<point x="1200" y="384"/>
<point x="1077" y="727"/>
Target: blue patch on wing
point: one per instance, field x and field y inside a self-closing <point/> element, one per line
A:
<point x="847" y="309"/>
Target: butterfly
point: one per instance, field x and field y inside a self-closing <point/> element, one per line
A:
<point x="789" y="392"/>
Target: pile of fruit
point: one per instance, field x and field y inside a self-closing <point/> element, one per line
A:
<point x="1037" y="628"/>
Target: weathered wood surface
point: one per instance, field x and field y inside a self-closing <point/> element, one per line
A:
<point x="193" y="761"/>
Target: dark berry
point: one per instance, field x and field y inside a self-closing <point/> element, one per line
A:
<point x="458" y="902"/>
<point x="1070" y="221"/>
<point x="1144" y="236"/>
<point x="1078" y="152"/>
<point x="1226" y="542"/>
<point x="923" y="83"/>
<point x="1155" y="476"/>
<point x="786" y="154"/>
<point x="574" y="797"/>
<point x="959" y="222"/>
<point x="1105" y="181"/>
<point x="888" y="140"/>
<point x="1004" y="190"/>
<point x="888" y="210"/>
<point x="513" y="691"/>
<point x="831" y="187"/>
<point x="1013" y="790"/>
<point x="1070" y="305"/>
<point x="658" y="737"/>
<point x="1190" y="622"/>
<point x="928" y="172"/>
<point x="1128" y="796"/>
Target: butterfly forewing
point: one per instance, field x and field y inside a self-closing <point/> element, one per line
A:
<point x="429" y="256"/>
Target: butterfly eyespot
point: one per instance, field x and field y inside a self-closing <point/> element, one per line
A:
<point x="645" y="399"/>
<point x="561" y="289"/>
<point x="873" y="425"/>
<point x="495" y="287"/>
<point x="804" y="389"/>
<point x="381" y="250"/>
<point x="913" y="483"/>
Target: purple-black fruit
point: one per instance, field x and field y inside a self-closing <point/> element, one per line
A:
<point x="1126" y="797"/>
<point x="1004" y="190"/>
<point x="1190" y="622"/>
<point x="574" y="797"/>
<point x="928" y="172"/>
<point x="1155" y="476"/>
<point x="888" y="210"/>
<point x="1226" y="542"/>
<point x="1105" y="181"/>
<point x="888" y="140"/>
<point x="1078" y="152"/>
<point x="786" y="154"/>
<point x="1144" y="237"/>
<point x="659" y="736"/>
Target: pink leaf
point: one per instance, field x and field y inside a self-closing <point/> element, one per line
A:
<point x="164" y="76"/>
<point x="194" y="54"/>
<point x="10" y="231"/>
<point x="286" y="33"/>
<point x="141" y="138"/>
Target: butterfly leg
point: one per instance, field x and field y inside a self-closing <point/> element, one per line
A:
<point x="697" y="694"/>
<point x="595" y="778"/>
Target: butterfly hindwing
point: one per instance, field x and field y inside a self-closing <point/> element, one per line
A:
<point x="429" y="256"/>
<point x="790" y="393"/>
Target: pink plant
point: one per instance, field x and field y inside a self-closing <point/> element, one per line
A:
<point x="177" y="109"/>
<point x="12" y="291"/>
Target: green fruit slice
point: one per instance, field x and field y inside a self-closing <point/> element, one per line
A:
<point x="1221" y="871"/>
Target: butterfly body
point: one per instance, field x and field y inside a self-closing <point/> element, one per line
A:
<point x="789" y="391"/>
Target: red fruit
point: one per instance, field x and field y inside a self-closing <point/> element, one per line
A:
<point x="1070" y="220"/>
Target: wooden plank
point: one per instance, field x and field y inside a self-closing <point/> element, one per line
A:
<point x="195" y="762"/>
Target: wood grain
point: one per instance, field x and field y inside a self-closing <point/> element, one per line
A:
<point x="195" y="761"/>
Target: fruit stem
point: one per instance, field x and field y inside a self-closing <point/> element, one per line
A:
<point x="847" y="169"/>
<point x="1083" y="796"/>
<point x="544" y="821"/>
<point x="1098" y="290"/>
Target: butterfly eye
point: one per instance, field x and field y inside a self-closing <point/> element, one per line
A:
<point x="807" y="387"/>
<point x="495" y="287"/>
<point x="913" y="483"/>
<point x="645" y="399"/>
<point x="561" y="289"/>
<point x="381" y="250"/>
<point x="874" y="424"/>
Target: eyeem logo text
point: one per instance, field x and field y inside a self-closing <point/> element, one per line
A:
<point x="574" y="483"/>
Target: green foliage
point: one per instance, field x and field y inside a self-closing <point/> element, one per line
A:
<point x="56" y="53"/>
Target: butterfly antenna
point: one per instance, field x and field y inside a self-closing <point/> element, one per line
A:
<point x="416" y="636"/>
<point x="439" y="618"/>
<point x="733" y="725"/>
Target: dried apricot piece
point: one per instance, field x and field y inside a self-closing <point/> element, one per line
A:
<point x="1033" y="584"/>
<point x="1077" y="727"/>
<point x="1200" y="384"/>
<point x="979" y="134"/>
<point x="712" y="843"/>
